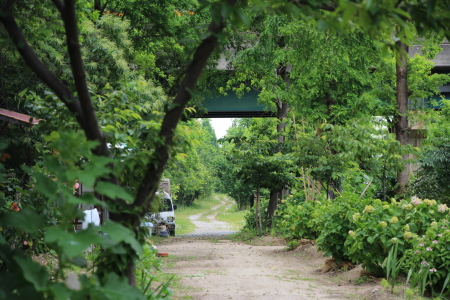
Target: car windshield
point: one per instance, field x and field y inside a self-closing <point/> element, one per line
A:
<point x="165" y="205"/>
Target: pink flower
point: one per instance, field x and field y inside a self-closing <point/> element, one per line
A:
<point x="25" y="243"/>
<point x="440" y="234"/>
<point x="416" y="201"/>
<point x="429" y="249"/>
<point x="435" y="242"/>
<point x="424" y="263"/>
<point x="442" y="207"/>
<point x="420" y="245"/>
<point x="443" y="227"/>
<point x="76" y="185"/>
<point x="433" y="270"/>
<point x="417" y="251"/>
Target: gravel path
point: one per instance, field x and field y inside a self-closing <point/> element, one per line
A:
<point x="212" y="225"/>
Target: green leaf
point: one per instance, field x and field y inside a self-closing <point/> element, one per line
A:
<point x="119" y="233"/>
<point x="91" y="199"/>
<point x="60" y="291"/>
<point x="117" y="288"/>
<point x="46" y="186"/>
<point x="73" y="244"/>
<point x="53" y="136"/>
<point x="26" y="220"/>
<point x="113" y="191"/>
<point x="2" y="240"/>
<point x="33" y="272"/>
<point x="80" y="261"/>
<point x="323" y="25"/>
<point x="94" y="169"/>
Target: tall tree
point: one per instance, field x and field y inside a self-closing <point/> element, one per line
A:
<point x="259" y="162"/>
<point x="80" y="105"/>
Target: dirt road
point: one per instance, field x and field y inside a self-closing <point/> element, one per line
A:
<point x="211" y="225"/>
<point x="217" y="268"/>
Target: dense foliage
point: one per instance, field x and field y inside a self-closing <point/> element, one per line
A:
<point x="113" y="81"/>
<point x="368" y="230"/>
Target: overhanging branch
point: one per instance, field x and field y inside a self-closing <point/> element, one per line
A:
<point x="90" y="123"/>
<point x="33" y="61"/>
<point x="184" y="94"/>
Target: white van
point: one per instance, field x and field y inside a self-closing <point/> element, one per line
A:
<point x="166" y="213"/>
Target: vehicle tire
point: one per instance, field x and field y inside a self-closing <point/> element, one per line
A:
<point x="172" y="233"/>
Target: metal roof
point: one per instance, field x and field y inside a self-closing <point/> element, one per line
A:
<point x="18" y="118"/>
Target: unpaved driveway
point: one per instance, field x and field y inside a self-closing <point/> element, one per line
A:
<point x="217" y="268"/>
<point x="211" y="225"/>
<point x="212" y="269"/>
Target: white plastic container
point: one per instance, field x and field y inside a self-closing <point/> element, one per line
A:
<point x="149" y="226"/>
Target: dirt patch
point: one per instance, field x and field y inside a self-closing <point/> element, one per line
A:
<point x="267" y="241"/>
<point x="223" y="269"/>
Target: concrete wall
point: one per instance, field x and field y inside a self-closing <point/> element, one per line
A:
<point x="442" y="60"/>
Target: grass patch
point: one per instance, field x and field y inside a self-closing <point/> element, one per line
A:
<point x="231" y="214"/>
<point x="246" y="236"/>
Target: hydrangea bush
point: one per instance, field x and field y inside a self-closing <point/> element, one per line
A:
<point x="334" y="223"/>
<point x="297" y="219"/>
<point x="366" y="230"/>
<point x="428" y="262"/>
<point x="381" y="225"/>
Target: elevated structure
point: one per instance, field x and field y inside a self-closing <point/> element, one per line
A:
<point x="232" y="106"/>
<point x="247" y="106"/>
<point x="441" y="63"/>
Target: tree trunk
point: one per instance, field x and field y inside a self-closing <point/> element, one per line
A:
<point x="258" y="212"/>
<point x="401" y="125"/>
<point x="282" y="111"/>
<point x="272" y="206"/>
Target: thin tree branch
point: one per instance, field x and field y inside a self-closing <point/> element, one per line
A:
<point x="156" y="167"/>
<point x="33" y="61"/>
<point x="91" y="126"/>
<point x="83" y="108"/>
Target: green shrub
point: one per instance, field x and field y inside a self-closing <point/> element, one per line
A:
<point x="428" y="261"/>
<point x="296" y="219"/>
<point x="13" y="200"/>
<point x="250" y="217"/>
<point x="335" y="221"/>
<point x="149" y="273"/>
<point x="381" y="225"/>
